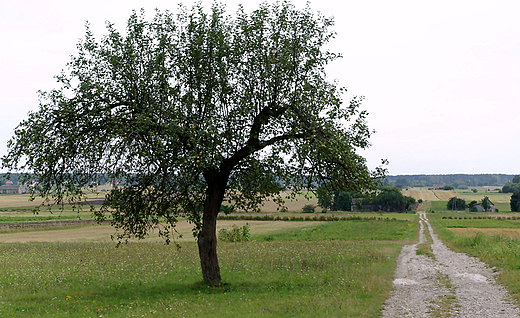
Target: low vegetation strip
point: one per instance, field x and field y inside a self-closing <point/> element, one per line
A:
<point x="472" y="232"/>
<point x="303" y="276"/>
<point x="479" y="222"/>
<point x="268" y="217"/>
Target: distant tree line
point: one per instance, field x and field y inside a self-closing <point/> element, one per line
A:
<point x="458" y="181"/>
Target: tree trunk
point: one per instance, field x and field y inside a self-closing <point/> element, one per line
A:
<point x="207" y="239"/>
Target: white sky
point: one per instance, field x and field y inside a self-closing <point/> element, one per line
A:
<point x="441" y="78"/>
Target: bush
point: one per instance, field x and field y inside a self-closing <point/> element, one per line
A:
<point x="309" y="208"/>
<point x="235" y="234"/>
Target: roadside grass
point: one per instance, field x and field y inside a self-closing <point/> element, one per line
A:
<point x="285" y="277"/>
<point x="425" y="248"/>
<point x="498" y="251"/>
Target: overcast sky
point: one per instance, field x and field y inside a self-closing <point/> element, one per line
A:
<point x="441" y="78"/>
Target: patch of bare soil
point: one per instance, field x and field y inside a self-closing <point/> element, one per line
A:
<point x="448" y="284"/>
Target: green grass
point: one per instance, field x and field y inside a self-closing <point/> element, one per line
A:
<point x="286" y="277"/>
<point x="363" y="230"/>
<point x="479" y="223"/>
<point x="425" y="248"/>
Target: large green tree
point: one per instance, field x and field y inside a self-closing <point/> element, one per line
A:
<point x="515" y="202"/>
<point x="191" y="110"/>
<point x="391" y="199"/>
<point x="456" y="204"/>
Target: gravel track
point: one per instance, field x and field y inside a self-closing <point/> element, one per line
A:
<point x="448" y="285"/>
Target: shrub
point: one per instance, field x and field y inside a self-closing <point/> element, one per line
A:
<point x="235" y="234"/>
<point x="309" y="208"/>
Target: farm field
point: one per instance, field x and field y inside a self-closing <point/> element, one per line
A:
<point x="291" y="269"/>
<point x="445" y="195"/>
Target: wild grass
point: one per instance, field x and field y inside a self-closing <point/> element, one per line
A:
<point x="466" y="222"/>
<point x="363" y="230"/>
<point x="285" y="277"/>
<point x="425" y="248"/>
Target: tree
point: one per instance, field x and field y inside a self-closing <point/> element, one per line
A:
<point x="309" y="208"/>
<point x="486" y="204"/>
<point x="191" y="110"/>
<point x="392" y="200"/>
<point x="456" y="204"/>
<point x="335" y="201"/>
<point x="515" y="202"/>
<point x="516" y="179"/>
<point x="511" y="187"/>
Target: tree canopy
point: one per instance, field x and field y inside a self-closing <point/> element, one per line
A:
<point x="511" y="187"/>
<point x="456" y="204"/>
<point x="391" y="199"/>
<point x="190" y="109"/>
<point x="515" y="202"/>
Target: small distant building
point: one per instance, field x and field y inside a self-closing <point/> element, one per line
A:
<point x="479" y="207"/>
<point x="14" y="189"/>
<point x="9" y="182"/>
<point x="360" y="204"/>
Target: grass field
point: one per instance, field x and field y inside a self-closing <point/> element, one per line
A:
<point x="340" y="272"/>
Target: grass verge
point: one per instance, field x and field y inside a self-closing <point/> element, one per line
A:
<point x="425" y="248"/>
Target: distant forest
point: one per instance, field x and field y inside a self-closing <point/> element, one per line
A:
<point x="459" y="181"/>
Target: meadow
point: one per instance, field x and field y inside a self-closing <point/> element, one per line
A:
<point x="324" y="270"/>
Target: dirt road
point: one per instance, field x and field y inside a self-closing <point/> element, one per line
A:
<point x="448" y="284"/>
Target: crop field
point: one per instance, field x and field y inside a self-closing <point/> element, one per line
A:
<point x="289" y="269"/>
<point x="492" y="237"/>
<point x="499" y="199"/>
